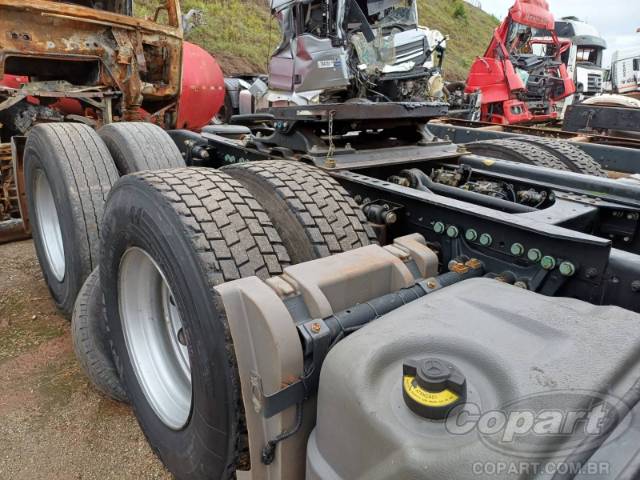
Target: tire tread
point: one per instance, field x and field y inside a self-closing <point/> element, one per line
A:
<point x="572" y="156"/>
<point x="150" y="148"/>
<point x="332" y="220"/>
<point x="519" y="152"/>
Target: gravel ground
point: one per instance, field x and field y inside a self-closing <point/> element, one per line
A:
<point x="53" y="425"/>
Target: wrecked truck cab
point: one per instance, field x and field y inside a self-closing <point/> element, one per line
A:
<point x="332" y="51"/>
<point x="93" y="63"/>
<point x="101" y="61"/>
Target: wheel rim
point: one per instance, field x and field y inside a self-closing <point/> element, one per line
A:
<point x="155" y="337"/>
<point x="48" y="224"/>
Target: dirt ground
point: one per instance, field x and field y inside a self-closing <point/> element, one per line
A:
<point x="53" y="425"/>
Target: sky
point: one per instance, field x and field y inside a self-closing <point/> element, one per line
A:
<point x="617" y="20"/>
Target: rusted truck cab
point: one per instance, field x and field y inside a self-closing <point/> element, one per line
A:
<point x="108" y="59"/>
<point x="94" y="62"/>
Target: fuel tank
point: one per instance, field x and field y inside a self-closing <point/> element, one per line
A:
<point x="202" y="91"/>
<point x="528" y="380"/>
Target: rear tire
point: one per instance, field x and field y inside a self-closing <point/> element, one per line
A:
<point x="573" y="157"/>
<point x="516" y="152"/>
<point x="68" y="174"/>
<point x="90" y="340"/>
<point x="138" y="146"/>
<point x="313" y="214"/>
<point x="190" y="230"/>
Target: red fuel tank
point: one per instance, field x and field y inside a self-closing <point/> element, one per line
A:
<point x="202" y="88"/>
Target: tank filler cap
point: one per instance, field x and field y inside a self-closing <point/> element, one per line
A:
<point x="432" y="387"/>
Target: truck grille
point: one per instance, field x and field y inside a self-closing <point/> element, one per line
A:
<point x="413" y="51"/>
<point x="594" y="83"/>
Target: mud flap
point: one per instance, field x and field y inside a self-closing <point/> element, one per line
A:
<point x="265" y="319"/>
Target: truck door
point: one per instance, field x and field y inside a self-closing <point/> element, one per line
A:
<point x="318" y="64"/>
<point x="281" y="62"/>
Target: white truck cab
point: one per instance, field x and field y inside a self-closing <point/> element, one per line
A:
<point x="583" y="59"/>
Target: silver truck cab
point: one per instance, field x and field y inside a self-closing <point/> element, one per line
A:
<point x="334" y="50"/>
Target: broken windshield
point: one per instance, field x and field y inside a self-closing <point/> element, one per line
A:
<point x="526" y="40"/>
<point x="388" y="13"/>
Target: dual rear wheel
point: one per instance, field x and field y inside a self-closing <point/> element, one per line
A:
<point x="169" y="237"/>
<point x="162" y="242"/>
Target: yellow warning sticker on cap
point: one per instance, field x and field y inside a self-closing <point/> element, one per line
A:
<point x="429" y="399"/>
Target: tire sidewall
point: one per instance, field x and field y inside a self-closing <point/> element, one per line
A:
<point x="210" y="433"/>
<point x="91" y="339"/>
<point x="77" y="267"/>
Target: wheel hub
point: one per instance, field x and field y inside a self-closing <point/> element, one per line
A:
<point x="155" y="337"/>
<point x="48" y="224"/>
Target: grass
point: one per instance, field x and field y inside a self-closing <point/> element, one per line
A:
<point x="241" y="34"/>
<point x="469" y="35"/>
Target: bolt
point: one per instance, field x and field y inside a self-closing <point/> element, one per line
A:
<point x="453" y="232"/>
<point x="534" y="255"/>
<point x="439" y="228"/>
<point x="486" y="240"/>
<point x="517" y="249"/>
<point x="591" y="272"/>
<point x="548" y="263"/>
<point x="431" y="283"/>
<point x="390" y="218"/>
<point x="635" y="286"/>
<point x="330" y="162"/>
<point x="471" y="235"/>
<point x="567" y="269"/>
<point x="358" y="199"/>
<point x="316" y="327"/>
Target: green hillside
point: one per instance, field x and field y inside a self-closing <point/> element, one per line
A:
<point x="468" y="27"/>
<point x="241" y="34"/>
